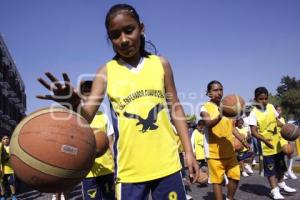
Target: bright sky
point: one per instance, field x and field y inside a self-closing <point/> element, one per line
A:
<point x="242" y="43"/>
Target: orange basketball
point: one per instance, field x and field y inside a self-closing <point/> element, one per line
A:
<point x="232" y="105"/>
<point x="52" y="149"/>
<point x="238" y="146"/>
<point x="290" y="132"/>
<point x="102" y="143"/>
<point x="288" y="149"/>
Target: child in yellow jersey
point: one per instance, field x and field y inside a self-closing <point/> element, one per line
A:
<point x="245" y="154"/>
<point x="141" y="91"/>
<point x="2" y="158"/>
<point x="197" y="141"/>
<point x="263" y="122"/>
<point x="99" y="183"/>
<point x="289" y="174"/>
<point x="8" y="172"/>
<point x="218" y="143"/>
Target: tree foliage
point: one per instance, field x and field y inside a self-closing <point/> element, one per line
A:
<point x="288" y="94"/>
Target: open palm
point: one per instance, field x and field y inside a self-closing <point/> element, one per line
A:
<point x="62" y="92"/>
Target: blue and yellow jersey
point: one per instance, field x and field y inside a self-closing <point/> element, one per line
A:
<point x="218" y="142"/>
<point x="103" y="165"/>
<point x="197" y="140"/>
<point x="144" y="148"/>
<point x="7" y="168"/>
<point x="267" y="127"/>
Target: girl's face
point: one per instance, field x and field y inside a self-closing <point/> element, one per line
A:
<point x="125" y="34"/>
<point x="240" y="123"/>
<point x="262" y="99"/>
<point x="216" y="93"/>
<point x="5" y="140"/>
<point x="279" y="110"/>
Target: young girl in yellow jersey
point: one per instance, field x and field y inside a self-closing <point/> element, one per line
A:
<point x="99" y="183"/>
<point x="218" y="143"/>
<point x="197" y="140"/>
<point x="8" y="172"/>
<point x="245" y="155"/>
<point x="263" y="122"/>
<point x="140" y="89"/>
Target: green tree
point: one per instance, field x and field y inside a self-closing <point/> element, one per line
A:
<point x="288" y="94"/>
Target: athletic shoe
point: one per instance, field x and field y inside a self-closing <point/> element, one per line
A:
<point x="62" y="197"/>
<point x="254" y="162"/>
<point x="188" y="197"/>
<point x="291" y="175"/>
<point x="244" y="174"/>
<point x="285" y="177"/>
<point x="248" y="169"/>
<point x="13" y="197"/>
<point x="286" y="188"/>
<point x="275" y="193"/>
<point x="53" y="197"/>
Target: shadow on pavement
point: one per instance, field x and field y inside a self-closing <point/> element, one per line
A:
<point x="259" y="190"/>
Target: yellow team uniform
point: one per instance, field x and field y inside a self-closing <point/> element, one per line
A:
<point x="103" y="165"/>
<point x="144" y="139"/>
<point x="244" y="132"/>
<point x="267" y="127"/>
<point x="7" y="168"/>
<point x="218" y="145"/>
<point x="198" y="144"/>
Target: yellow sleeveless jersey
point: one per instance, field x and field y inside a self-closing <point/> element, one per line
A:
<point x="282" y="140"/>
<point x="145" y="148"/>
<point x="199" y="145"/>
<point x="7" y="168"/>
<point x="218" y="141"/>
<point x="267" y="127"/>
<point x="244" y="132"/>
<point x="103" y="165"/>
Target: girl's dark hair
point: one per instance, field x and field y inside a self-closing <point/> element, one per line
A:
<point x="114" y="10"/>
<point x="260" y="90"/>
<point x="209" y="85"/>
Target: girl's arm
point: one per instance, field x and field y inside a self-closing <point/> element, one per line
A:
<point x="210" y="123"/>
<point x="178" y="117"/>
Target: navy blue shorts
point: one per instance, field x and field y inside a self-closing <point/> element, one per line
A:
<point x="244" y="155"/>
<point x="274" y="164"/>
<point x="101" y="187"/>
<point x="9" y="178"/>
<point x="169" y="187"/>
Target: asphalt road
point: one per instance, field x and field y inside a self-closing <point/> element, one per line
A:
<point x="250" y="188"/>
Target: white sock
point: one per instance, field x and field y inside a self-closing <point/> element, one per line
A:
<point x="290" y="164"/>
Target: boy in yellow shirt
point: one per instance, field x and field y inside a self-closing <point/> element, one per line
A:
<point x="263" y="122"/>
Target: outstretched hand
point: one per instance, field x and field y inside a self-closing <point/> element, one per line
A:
<point x="193" y="167"/>
<point x="62" y="92"/>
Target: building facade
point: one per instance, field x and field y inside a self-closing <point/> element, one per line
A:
<point x="12" y="92"/>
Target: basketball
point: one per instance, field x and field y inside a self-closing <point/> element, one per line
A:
<point x="232" y="105"/>
<point x="290" y="132"/>
<point x="52" y="149"/>
<point x="288" y="149"/>
<point x="102" y="143"/>
<point x="238" y="146"/>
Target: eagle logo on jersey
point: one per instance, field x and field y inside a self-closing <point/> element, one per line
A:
<point x="149" y="122"/>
